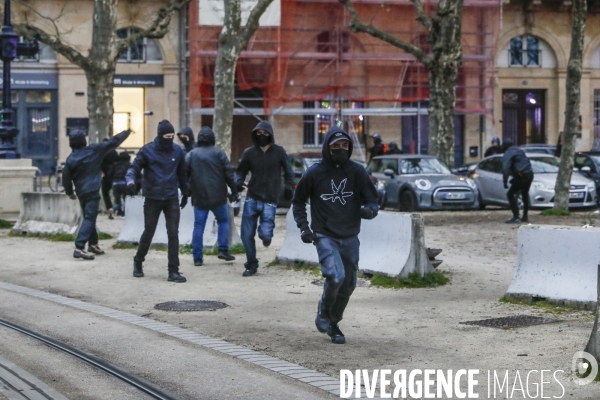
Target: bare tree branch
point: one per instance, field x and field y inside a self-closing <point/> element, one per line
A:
<point x="157" y="29"/>
<point x="421" y="16"/>
<point x="253" y="21"/>
<point x="357" y="26"/>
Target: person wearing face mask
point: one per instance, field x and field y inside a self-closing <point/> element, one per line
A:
<point x="163" y="164"/>
<point x="265" y="161"/>
<point x="340" y="192"/>
<point x="186" y="137"/>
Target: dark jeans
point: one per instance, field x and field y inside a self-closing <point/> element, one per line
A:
<point x="152" y="210"/>
<point x="253" y="210"/>
<point x="89" y="203"/>
<point x="200" y="215"/>
<point x="119" y="189"/>
<point x="106" y="186"/>
<point x="339" y="263"/>
<point x="520" y="185"/>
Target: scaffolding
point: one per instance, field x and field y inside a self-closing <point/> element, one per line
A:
<point x="312" y="55"/>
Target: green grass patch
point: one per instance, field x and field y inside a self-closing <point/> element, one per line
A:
<point x="4" y="224"/>
<point x="186" y="249"/>
<point x="542" y="305"/>
<point x="300" y="266"/>
<point x="413" y="280"/>
<point x="124" y="246"/>
<point x="555" y="213"/>
<point x="57" y="237"/>
<point x="104" y="236"/>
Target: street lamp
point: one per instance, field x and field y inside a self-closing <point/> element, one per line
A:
<point x="10" y="48"/>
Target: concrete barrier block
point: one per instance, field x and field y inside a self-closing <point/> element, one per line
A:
<point x="16" y="177"/>
<point x="48" y="213"/>
<point x="557" y="263"/>
<point x="134" y="226"/>
<point x="593" y="346"/>
<point x="392" y="244"/>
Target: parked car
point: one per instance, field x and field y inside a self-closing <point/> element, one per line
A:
<point x="418" y="182"/>
<point x="464" y="170"/>
<point x="588" y="165"/>
<point x="488" y="176"/>
<point x="302" y="161"/>
<point x="539" y="148"/>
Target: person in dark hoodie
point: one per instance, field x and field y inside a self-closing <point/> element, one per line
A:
<point x="119" y="185"/>
<point x="186" y="136"/>
<point x="107" y="178"/>
<point x="210" y="173"/>
<point x="516" y="164"/>
<point x="340" y="192"/>
<point x="163" y="164"/>
<point x="265" y="160"/>
<point x="83" y="170"/>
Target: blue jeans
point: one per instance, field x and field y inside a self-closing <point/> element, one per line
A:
<point x="339" y="263"/>
<point x="200" y="216"/>
<point x="89" y="203"/>
<point x="253" y="209"/>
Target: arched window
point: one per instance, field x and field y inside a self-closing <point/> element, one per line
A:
<point x="143" y="50"/>
<point x="527" y="51"/>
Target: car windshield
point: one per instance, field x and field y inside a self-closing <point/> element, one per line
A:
<point x="544" y="165"/>
<point x="596" y="159"/>
<point x="413" y="166"/>
<point x="311" y="161"/>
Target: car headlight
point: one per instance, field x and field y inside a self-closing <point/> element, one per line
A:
<point x="591" y="185"/>
<point x="379" y="186"/>
<point x="423" y="184"/>
<point x="471" y="183"/>
<point x="541" y="185"/>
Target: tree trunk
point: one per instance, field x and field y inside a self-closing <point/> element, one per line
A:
<point x="442" y="98"/>
<point x="224" y="93"/>
<point x="573" y="88"/>
<point x="100" y="104"/>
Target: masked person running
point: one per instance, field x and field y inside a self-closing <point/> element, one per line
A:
<point x="340" y="194"/>
<point x="163" y="166"/>
<point x="265" y="161"/>
<point x="82" y="169"/>
<point x="210" y="173"/>
<point x="516" y="164"/>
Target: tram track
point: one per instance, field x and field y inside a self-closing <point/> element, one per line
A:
<point x="96" y="362"/>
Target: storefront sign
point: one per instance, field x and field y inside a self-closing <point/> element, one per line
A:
<point x="139" y="80"/>
<point x="32" y="80"/>
<point x="211" y="12"/>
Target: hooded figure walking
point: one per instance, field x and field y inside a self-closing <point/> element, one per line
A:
<point x="82" y="169"/>
<point x="340" y="192"/>
<point x="163" y="164"/>
<point x="516" y="164"/>
<point x="265" y="160"/>
<point x="186" y="137"/>
<point x="210" y="173"/>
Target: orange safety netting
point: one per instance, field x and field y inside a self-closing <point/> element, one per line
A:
<point x="313" y="55"/>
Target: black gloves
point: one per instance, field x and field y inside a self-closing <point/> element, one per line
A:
<point x="131" y="189"/>
<point x="241" y="187"/>
<point x="288" y="192"/>
<point x="72" y="196"/>
<point x="183" y="203"/>
<point x="234" y="197"/>
<point x="307" y="236"/>
<point x="367" y="213"/>
<point x="505" y="185"/>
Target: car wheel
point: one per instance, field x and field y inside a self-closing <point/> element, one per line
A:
<point x="382" y="202"/>
<point x="481" y="203"/>
<point x="407" y="201"/>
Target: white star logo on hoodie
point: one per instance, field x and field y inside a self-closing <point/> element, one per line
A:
<point x="338" y="192"/>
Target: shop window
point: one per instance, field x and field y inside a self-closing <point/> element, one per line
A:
<point x="129" y="114"/>
<point x="316" y="126"/>
<point x="38" y="96"/>
<point x="143" y="50"/>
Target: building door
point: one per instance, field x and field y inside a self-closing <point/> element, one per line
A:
<point x="524" y="116"/>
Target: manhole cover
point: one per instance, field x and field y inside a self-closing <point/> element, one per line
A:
<point x="190" y="305"/>
<point x="359" y="282"/>
<point x="514" y="321"/>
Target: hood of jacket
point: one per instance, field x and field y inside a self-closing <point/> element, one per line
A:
<point x="265" y="126"/>
<point x="507" y="144"/>
<point x="332" y="133"/>
<point x="77" y="140"/>
<point x="187" y="131"/>
<point x="206" y="137"/>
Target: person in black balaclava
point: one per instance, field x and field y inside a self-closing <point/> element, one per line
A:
<point x="516" y="163"/>
<point x="82" y="170"/>
<point x="163" y="164"/>
<point x="340" y="192"/>
<point x="119" y="185"/>
<point x="186" y="136"/>
<point x="393" y="149"/>
<point x="377" y="149"/>
<point x="495" y="148"/>
<point x="265" y="160"/>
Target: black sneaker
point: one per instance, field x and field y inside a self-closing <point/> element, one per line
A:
<point x="322" y="319"/>
<point x="81" y="253"/>
<point x="138" y="269"/>
<point x="514" y="221"/>
<point x="111" y="213"/>
<point x="336" y="334"/>
<point x="224" y="255"/>
<point x="199" y="262"/>
<point x="266" y="242"/>
<point x="176" y="277"/>
<point x="524" y="219"/>
<point x="249" y="272"/>
<point x="95" y="249"/>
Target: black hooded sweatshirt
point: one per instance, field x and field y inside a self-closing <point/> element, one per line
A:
<point x="189" y="144"/>
<point x="266" y="167"/>
<point x="209" y="172"/>
<point x="336" y="194"/>
<point x="514" y="161"/>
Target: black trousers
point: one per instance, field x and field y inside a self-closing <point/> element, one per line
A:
<point x="520" y="185"/>
<point x="106" y="186"/>
<point x="152" y="210"/>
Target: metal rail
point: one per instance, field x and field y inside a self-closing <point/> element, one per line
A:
<point x="99" y="363"/>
